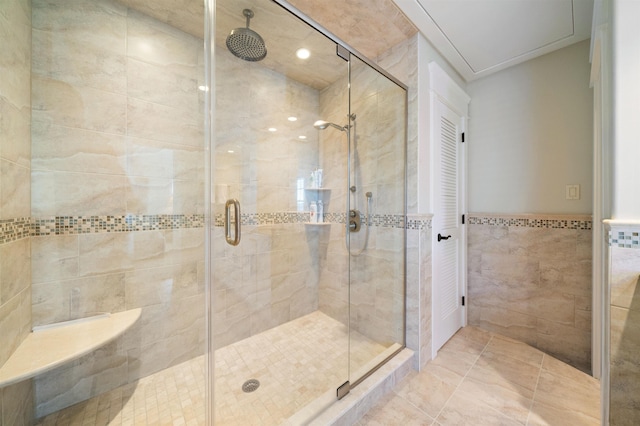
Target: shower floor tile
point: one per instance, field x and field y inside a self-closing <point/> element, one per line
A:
<point x="295" y="363"/>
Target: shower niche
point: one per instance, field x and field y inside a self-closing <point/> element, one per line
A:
<point x="301" y="306"/>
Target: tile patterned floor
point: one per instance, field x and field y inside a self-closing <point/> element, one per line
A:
<point x="481" y="378"/>
<point x="478" y="378"/>
<point x="295" y="363"/>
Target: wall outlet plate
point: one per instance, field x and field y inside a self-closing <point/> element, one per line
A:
<point x="573" y="192"/>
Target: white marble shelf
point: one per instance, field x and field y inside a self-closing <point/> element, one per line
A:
<point x="48" y="347"/>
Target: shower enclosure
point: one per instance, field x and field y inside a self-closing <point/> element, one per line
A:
<point x="148" y="177"/>
<point x="309" y="203"/>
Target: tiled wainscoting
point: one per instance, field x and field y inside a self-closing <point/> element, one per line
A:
<point x="419" y="273"/>
<point x="529" y="278"/>
<point x="624" y="280"/>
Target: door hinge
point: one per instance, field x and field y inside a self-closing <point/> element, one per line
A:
<point x="343" y="390"/>
<point x="342" y="52"/>
<point x="462" y="137"/>
<point x="462" y="300"/>
<point x="463" y="219"/>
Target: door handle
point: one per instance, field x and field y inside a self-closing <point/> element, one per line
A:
<point x="440" y="237"/>
<point x="235" y="240"/>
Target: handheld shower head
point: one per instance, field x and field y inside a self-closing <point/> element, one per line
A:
<point x="321" y="125"/>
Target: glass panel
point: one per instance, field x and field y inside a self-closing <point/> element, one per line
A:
<point x="280" y="295"/>
<point x="377" y="261"/>
<point x="117" y="199"/>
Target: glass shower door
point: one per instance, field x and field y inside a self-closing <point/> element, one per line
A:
<point x="377" y="198"/>
<point x="279" y="275"/>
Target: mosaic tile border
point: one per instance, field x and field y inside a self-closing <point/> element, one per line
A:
<point x="541" y="221"/>
<point x="625" y="239"/>
<point x="18" y="228"/>
<point x="281" y="218"/>
<point x="72" y="225"/>
<point x="14" y="229"/>
<point x="419" y="223"/>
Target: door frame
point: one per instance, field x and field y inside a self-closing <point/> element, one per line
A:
<point x="444" y="89"/>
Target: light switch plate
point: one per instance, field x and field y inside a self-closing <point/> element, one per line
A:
<point x="573" y="192"/>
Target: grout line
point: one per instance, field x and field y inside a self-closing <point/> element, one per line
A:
<point x="464" y="377"/>
<point x="535" y="389"/>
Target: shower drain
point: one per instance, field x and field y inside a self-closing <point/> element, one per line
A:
<point x="250" y="385"/>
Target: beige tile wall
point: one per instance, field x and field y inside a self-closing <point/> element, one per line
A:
<point x="419" y="274"/>
<point x="625" y="335"/>
<point x="533" y="284"/>
<point x="117" y="129"/>
<point x="15" y="188"/>
<point x="272" y="276"/>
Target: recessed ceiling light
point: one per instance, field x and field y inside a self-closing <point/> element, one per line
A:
<point x="272" y="129"/>
<point x="292" y="118"/>
<point x="203" y="88"/>
<point x="302" y="137"/>
<point x="303" y="53"/>
<point x="231" y="151"/>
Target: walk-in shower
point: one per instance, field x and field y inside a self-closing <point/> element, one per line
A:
<point x="168" y="181"/>
<point x="292" y="290"/>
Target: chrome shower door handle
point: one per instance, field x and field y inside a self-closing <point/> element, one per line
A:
<point x="235" y="240"/>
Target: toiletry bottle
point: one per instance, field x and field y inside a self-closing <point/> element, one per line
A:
<point x="320" y="212"/>
<point x="313" y="212"/>
<point x="319" y="178"/>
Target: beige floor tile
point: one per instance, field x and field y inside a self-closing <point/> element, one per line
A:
<point x="559" y="368"/>
<point x="544" y="415"/>
<point x="505" y="397"/>
<point x="466" y="411"/>
<point x="504" y="346"/>
<point x="395" y="410"/>
<point x="561" y="393"/>
<point x="459" y="354"/>
<point x="474" y="334"/>
<point x="510" y="369"/>
<point x="430" y="389"/>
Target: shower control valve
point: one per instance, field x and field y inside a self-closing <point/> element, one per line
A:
<point x="354" y="220"/>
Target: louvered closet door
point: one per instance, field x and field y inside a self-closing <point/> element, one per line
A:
<point x="447" y="222"/>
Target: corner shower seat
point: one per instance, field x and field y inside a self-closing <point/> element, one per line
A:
<point x="48" y="347"/>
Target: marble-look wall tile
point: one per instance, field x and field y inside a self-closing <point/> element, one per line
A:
<point x="58" y="102"/>
<point x="161" y="285"/>
<point x="74" y="194"/>
<point x="68" y="149"/>
<point x="54" y="258"/>
<point x="15" y="322"/>
<point x="163" y="123"/>
<point x="59" y="301"/>
<point x="91" y="58"/>
<point x="156" y="43"/>
<point x="16" y="404"/>
<point x="533" y="284"/>
<point x="15" y="270"/>
<point x="93" y="374"/>
<point x="14" y="128"/>
<point x="15" y="190"/>
<point x="624" y="275"/>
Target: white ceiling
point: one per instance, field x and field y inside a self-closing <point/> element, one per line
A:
<point x="480" y="37"/>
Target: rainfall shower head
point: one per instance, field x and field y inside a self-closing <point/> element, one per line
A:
<point x="245" y="43"/>
<point x="321" y="125"/>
